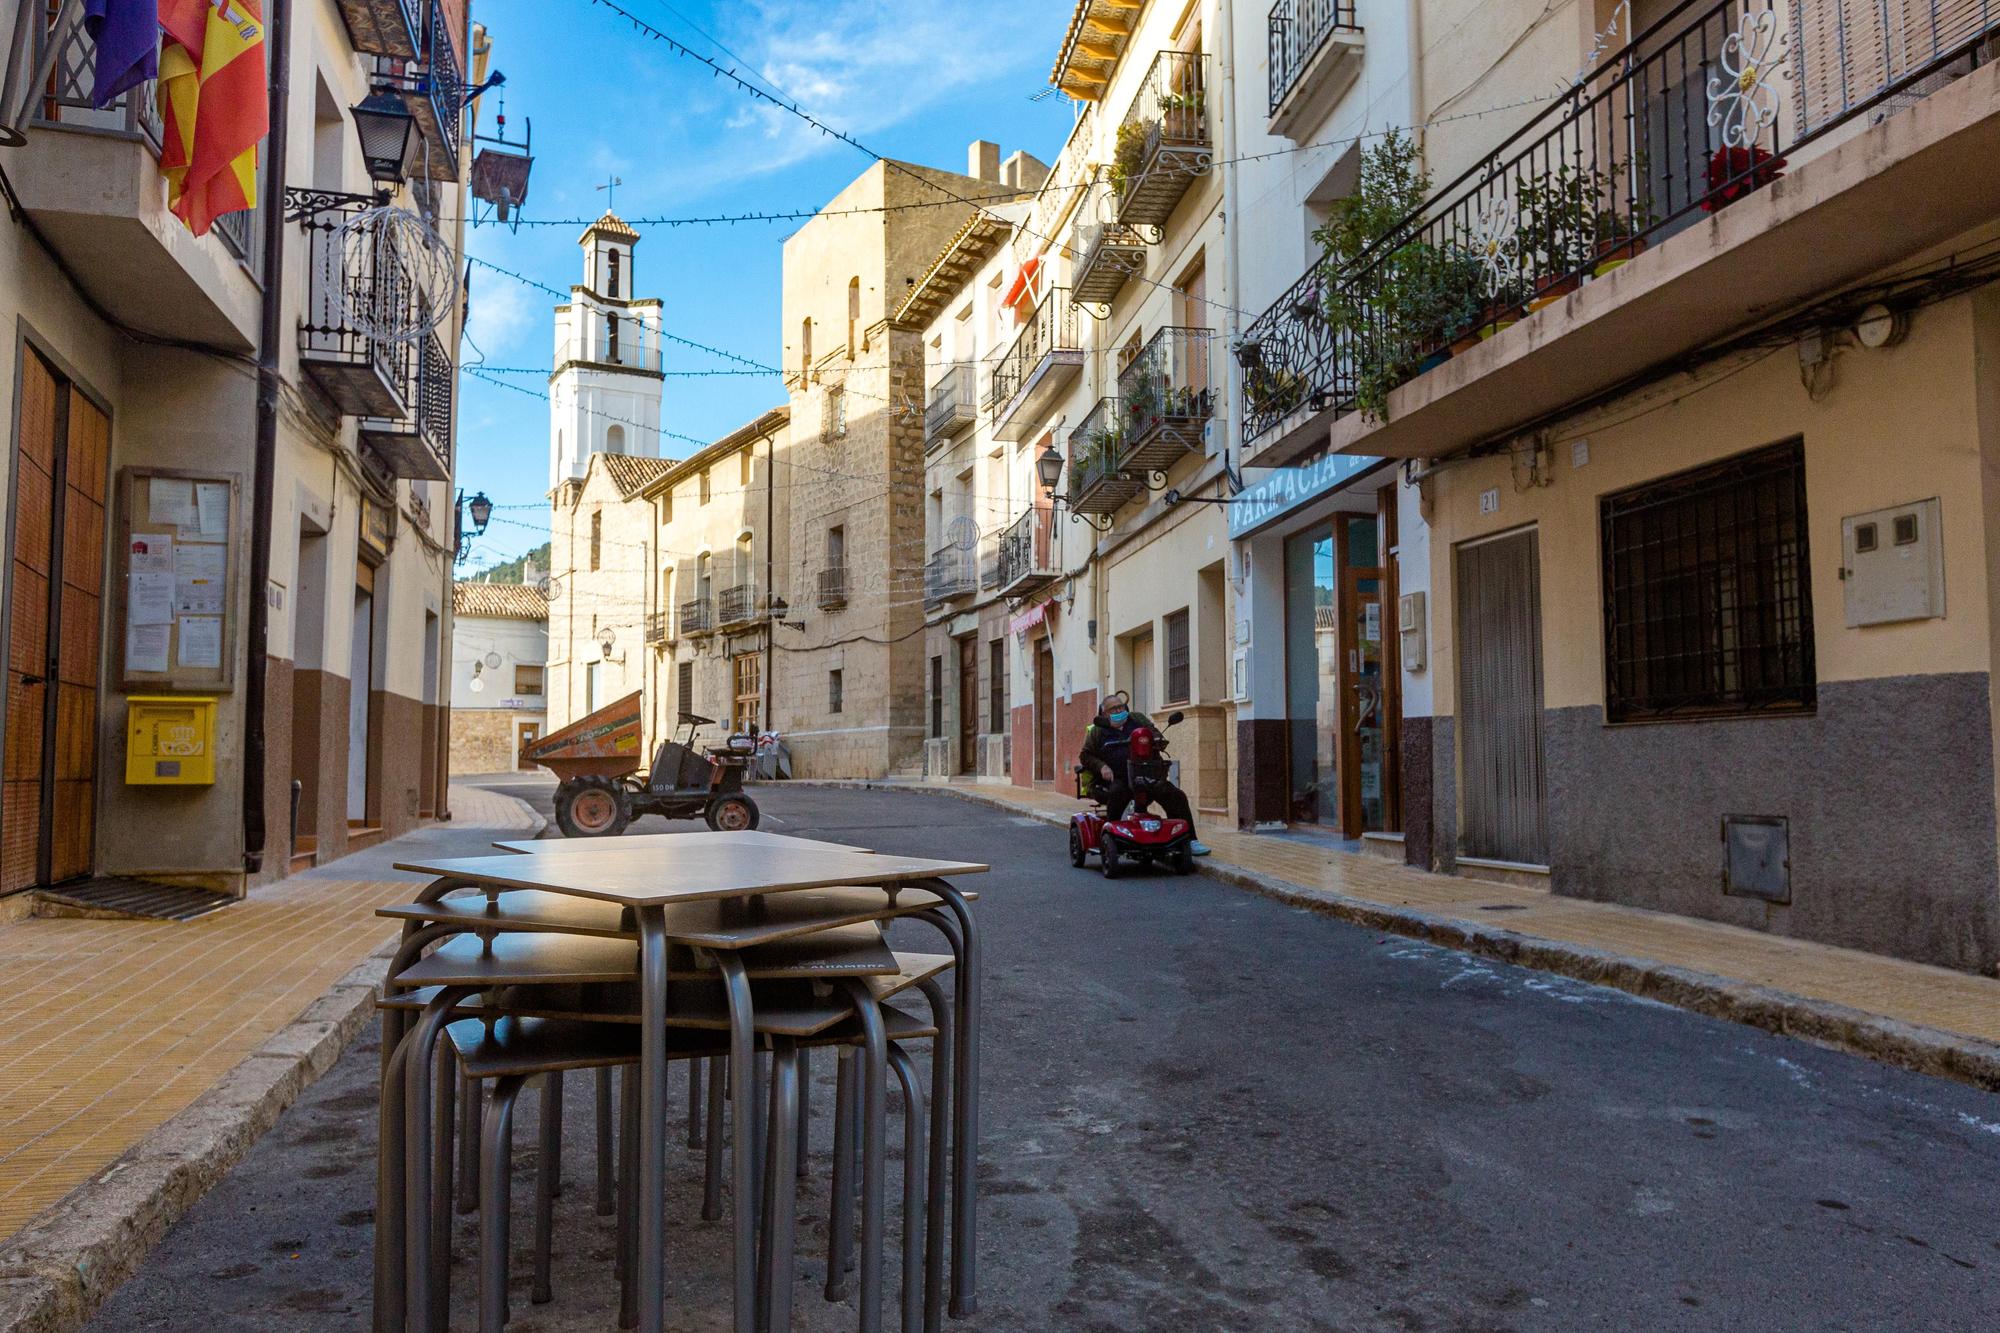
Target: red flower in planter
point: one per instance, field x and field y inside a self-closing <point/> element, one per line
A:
<point x="1735" y="172"/>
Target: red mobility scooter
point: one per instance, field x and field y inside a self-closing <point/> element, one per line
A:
<point x="1142" y="836"/>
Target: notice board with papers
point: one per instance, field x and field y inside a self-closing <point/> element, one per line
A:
<point x="178" y="561"/>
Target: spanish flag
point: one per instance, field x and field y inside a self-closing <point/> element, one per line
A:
<point x="215" y="101"/>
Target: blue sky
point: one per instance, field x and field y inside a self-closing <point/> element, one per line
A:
<point x="915" y="79"/>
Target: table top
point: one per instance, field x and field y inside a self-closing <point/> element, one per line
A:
<point x="638" y="841"/>
<point x="670" y="872"/>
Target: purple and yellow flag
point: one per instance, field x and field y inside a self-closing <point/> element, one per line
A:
<point x="215" y="101"/>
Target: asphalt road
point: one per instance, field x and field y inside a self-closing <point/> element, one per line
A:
<point x="1205" y="1110"/>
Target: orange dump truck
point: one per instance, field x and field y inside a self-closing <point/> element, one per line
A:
<point x="605" y="785"/>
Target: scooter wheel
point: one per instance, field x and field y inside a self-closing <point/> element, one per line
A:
<point x="1183" y="862"/>
<point x="734" y="813"/>
<point x="1107" y="854"/>
<point x="1076" y="852"/>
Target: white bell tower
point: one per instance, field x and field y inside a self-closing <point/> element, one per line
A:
<point x="604" y="396"/>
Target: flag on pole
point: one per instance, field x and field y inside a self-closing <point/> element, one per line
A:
<point x="215" y="100"/>
<point x="127" y="37"/>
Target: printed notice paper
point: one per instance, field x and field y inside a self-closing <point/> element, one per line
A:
<point x="199" y="574"/>
<point x="151" y="600"/>
<point x="201" y="641"/>
<point x="170" y="500"/>
<point x="146" y="648"/>
<point x="211" y="503"/>
<point x="152" y="552"/>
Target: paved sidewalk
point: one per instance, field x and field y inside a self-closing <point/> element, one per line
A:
<point x="116" y="1026"/>
<point x="1929" y="1018"/>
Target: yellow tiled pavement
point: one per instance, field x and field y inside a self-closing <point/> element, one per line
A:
<point x="115" y="1026"/>
<point x="1935" y="997"/>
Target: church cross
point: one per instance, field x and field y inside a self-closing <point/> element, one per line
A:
<point x="610" y="188"/>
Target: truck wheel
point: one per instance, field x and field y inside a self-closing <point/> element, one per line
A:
<point x="1076" y="852"/>
<point x="734" y="813"/>
<point x="1107" y="856"/>
<point x="593" y="808"/>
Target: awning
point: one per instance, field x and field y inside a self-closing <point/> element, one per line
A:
<point x="1024" y="281"/>
<point x="1040" y="613"/>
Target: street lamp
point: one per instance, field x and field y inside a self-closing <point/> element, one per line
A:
<point x="386" y="130"/>
<point x="1048" y="468"/>
<point x="482" y="513"/>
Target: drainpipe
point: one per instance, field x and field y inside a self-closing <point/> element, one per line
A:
<point x="770" y="588"/>
<point x="1413" y="25"/>
<point x="277" y="33"/>
<point x="1232" y="423"/>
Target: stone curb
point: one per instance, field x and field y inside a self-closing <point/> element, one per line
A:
<point x="58" y="1269"/>
<point x="1913" y="1046"/>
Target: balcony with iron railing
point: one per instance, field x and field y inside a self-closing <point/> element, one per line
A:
<point x="1097" y="485"/>
<point x="832" y="591"/>
<point x="736" y="605"/>
<point x="1314" y="49"/>
<point x="1867" y="109"/>
<point x="697" y="615"/>
<point x="989" y="563"/>
<point x="1028" y="552"/>
<point x="432" y="84"/>
<point x="1045" y="359"/>
<point x="417" y="444"/>
<point x="95" y="192"/>
<point x="949" y="573"/>
<point x="1164" y="142"/>
<point x="362" y="375"/>
<point x="385" y="27"/>
<point x="1168" y="399"/>
<point x="1108" y="256"/>
<point x="953" y="404"/>
<point x="659" y="628"/>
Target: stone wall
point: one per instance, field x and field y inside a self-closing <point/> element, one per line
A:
<point x="482" y="739"/>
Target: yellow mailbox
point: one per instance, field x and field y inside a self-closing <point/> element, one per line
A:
<point x="169" y="740"/>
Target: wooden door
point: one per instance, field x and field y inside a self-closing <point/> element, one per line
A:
<point x="1045" y="713"/>
<point x="61" y="479"/>
<point x="968" y="705"/>
<point x="1364" y="729"/>
<point x="1499" y="649"/>
<point x="525" y="734"/>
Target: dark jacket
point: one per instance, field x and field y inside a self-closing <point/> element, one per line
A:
<point x="1106" y="744"/>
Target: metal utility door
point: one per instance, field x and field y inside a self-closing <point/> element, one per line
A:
<point x="968" y="705"/>
<point x="61" y="478"/>
<point x="1045" y="713"/>
<point x="1504" y="806"/>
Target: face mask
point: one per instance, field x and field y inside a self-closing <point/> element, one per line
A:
<point x="1117" y="719"/>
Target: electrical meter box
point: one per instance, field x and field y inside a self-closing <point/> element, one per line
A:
<point x="1892" y="564"/>
<point x="169" y="740"/>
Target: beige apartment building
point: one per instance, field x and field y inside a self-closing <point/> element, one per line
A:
<point x="722" y="529"/>
<point x="204" y="607"/>
<point x="499" y="664"/>
<point x="603" y="549"/>
<point x="1689" y="375"/>
<point x="848" y="689"/>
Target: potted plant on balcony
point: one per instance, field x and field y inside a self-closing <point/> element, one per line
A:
<point x="1128" y="156"/>
<point x="1274" y="392"/>
<point x="1383" y="303"/>
<point x="1735" y="172"/>
<point x="1559" y="228"/>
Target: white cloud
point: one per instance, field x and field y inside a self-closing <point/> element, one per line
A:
<point x="502" y="314"/>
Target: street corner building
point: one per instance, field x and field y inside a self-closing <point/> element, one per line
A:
<point x="223" y="622"/>
<point x="499" y="664"/>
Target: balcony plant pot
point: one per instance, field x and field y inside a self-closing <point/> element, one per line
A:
<point x="1548" y="291"/>
<point x="1434" y="360"/>
<point x="1617" y="252"/>
<point x="1501" y="318"/>
<point x="1735" y="172"/>
<point x="1466" y="341"/>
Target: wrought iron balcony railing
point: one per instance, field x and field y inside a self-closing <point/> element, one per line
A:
<point x="698" y="616"/>
<point x="385" y="27"/>
<point x="832" y="593"/>
<point x="364" y="376"/>
<point x="1109" y="255"/>
<point x="1168" y="396"/>
<point x="432" y="85"/>
<point x="1164" y="141"/>
<point x="1027" y="552"/>
<point x="736" y="605"/>
<point x="66" y="101"/>
<point x="953" y="405"/>
<point x="989" y="563"/>
<point x="1046" y="355"/>
<point x="1607" y="169"/>
<point x="949" y="573"/>
<point x="659" y="627"/>
<point x="1295" y="32"/>
<point x="417" y="445"/>
<point x="1096" y="485"/>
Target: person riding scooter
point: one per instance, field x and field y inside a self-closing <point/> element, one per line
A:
<point x="1107" y="747"/>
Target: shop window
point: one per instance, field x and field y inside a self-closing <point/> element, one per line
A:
<point x="1177" y="658"/>
<point x="1708" y="592"/>
<point x="528" y="680"/>
<point x="833" y="691"/>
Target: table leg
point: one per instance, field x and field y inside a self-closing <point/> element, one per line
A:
<point x="743" y="1173"/>
<point x="607" y="1160"/>
<point x="781" y="1189"/>
<point x="417" y="1061"/>
<point x="913" y="1188"/>
<point x="875" y="1142"/>
<point x="840" y="1202"/>
<point x="445" y="1122"/>
<point x="389" y="1211"/>
<point x="934" y="1225"/>
<point x="652" y="1191"/>
<point x="965" y="1095"/>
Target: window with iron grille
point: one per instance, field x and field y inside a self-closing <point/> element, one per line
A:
<point x="596" y="536"/>
<point x="1177" y="658"/>
<point x="1708" y="592"/>
<point x="937" y="697"/>
<point x="996" y="687"/>
<point x="684" y="688"/>
<point x="833" y="691"/>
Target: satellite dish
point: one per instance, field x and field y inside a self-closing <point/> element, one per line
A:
<point x="493" y="661"/>
<point x="962" y="532"/>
